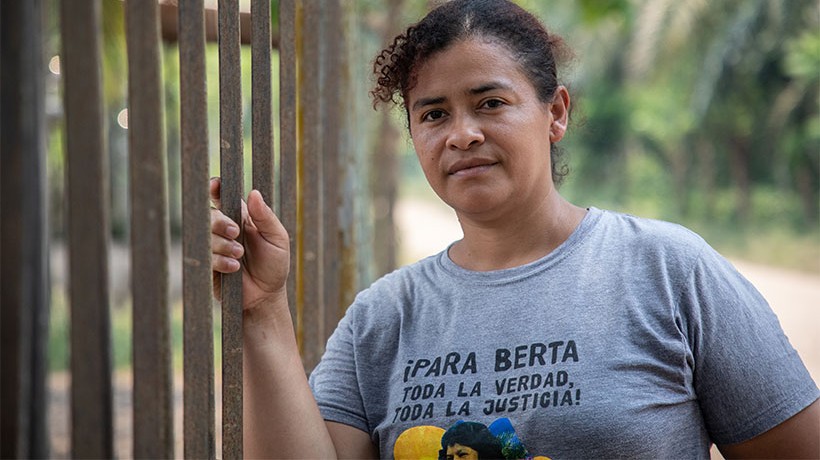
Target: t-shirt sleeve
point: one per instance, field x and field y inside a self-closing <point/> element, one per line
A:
<point x="335" y="383"/>
<point x="747" y="376"/>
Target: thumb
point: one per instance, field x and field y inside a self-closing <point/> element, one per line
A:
<point x="214" y="188"/>
<point x="266" y="222"/>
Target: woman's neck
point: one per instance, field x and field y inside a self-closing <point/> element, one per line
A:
<point x="511" y="242"/>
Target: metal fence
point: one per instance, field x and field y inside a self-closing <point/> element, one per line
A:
<point x="308" y="197"/>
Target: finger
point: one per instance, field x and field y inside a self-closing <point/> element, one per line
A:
<point x="267" y="224"/>
<point x="222" y="225"/>
<point x="222" y="264"/>
<point x="226" y="247"/>
<point x="214" y="187"/>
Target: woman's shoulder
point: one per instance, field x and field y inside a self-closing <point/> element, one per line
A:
<point x="644" y="238"/>
<point x="648" y="231"/>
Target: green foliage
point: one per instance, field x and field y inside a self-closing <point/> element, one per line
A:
<point x="593" y="11"/>
<point x="58" y="334"/>
<point x="657" y="117"/>
<point x="274" y="16"/>
<point x="698" y="109"/>
<point x="803" y="56"/>
<point x="114" y="56"/>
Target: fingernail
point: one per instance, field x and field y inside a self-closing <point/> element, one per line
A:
<point x="234" y="264"/>
<point x="232" y="231"/>
<point x="260" y="196"/>
<point x="237" y="250"/>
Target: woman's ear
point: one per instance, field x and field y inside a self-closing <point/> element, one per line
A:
<point x="559" y="109"/>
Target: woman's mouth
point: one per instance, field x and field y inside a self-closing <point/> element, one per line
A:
<point x="467" y="168"/>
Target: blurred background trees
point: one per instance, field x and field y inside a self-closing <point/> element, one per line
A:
<point x="704" y="113"/>
<point x="722" y="96"/>
<point x="701" y="112"/>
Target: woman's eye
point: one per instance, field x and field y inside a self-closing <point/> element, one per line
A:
<point x="433" y="115"/>
<point x="493" y="103"/>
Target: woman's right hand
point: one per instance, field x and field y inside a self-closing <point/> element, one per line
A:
<point x="265" y="256"/>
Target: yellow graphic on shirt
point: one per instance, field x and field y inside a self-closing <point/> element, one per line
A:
<point x="419" y="442"/>
<point x="462" y="441"/>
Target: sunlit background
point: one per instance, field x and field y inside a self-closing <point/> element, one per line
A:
<point x="699" y="112"/>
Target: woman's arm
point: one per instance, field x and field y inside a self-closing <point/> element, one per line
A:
<point x="797" y="437"/>
<point x="351" y="442"/>
<point x="281" y="417"/>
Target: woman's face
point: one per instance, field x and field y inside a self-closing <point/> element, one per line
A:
<point x="459" y="452"/>
<point x="481" y="134"/>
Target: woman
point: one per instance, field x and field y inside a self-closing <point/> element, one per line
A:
<point x="597" y="334"/>
<point x="469" y="441"/>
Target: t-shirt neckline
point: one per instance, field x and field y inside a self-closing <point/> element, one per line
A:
<point x="506" y="275"/>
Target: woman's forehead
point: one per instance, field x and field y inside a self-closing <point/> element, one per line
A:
<point x="478" y="47"/>
<point x="468" y="66"/>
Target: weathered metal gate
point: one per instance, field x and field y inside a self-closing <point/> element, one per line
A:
<point x="311" y="49"/>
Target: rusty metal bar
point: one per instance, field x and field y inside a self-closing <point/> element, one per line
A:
<point x="311" y="187"/>
<point x="230" y="124"/>
<point x="287" y="139"/>
<point x="332" y="46"/>
<point x="262" y="122"/>
<point x="88" y="230"/>
<point x="198" y="346"/>
<point x="153" y="387"/>
<point x="351" y="173"/>
<point x="24" y="280"/>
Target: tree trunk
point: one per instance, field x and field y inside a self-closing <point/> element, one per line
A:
<point x="706" y="156"/>
<point x="808" y="197"/>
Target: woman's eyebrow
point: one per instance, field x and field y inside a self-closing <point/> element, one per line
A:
<point x="425" y="101"/>
<point x="493" y="85"/>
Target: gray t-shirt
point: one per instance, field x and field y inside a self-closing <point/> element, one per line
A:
<point x="634" y="338"/>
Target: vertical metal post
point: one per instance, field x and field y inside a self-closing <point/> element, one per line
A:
<point x="332" y="46"/>
<point x="198" y="347"/>
<point x="262" y="122"/>
<point x="88" y="231"/>
<point x="230" y="123"/>
<point x="384" y="178"/>
<point x="353" y="170"/>
<point x="310" y="187"/>
<point x="287" y="139"/>
<point x="24" y="280"/>
<point x="153" y="405"/>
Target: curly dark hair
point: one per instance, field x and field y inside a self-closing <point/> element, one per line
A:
<point x="502" y="21"/>
<point x="474" y="435"/>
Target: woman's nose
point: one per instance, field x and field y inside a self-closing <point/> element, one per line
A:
<point x="465" y="132"/>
